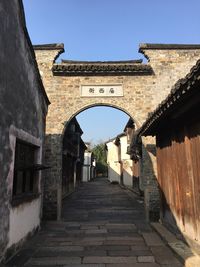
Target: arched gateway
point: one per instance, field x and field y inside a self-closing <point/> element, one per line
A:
<point x="130" y="86"/>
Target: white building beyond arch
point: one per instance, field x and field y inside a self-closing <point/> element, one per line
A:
<point x="89" y="165"/>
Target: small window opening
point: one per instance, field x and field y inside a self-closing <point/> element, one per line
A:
<point x="25" y="175"/>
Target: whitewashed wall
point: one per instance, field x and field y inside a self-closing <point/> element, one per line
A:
<point x="113" y="162"/>
<point x="23" y="220"/>
<point x="126" y="162"/>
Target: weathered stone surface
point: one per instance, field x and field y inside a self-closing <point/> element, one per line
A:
<point x="109" y="259"/>
<point x="86" y="265"/>
<point x="21" y="257"/>
<point x="145" y="259"/>
<point x="62" y="248"/>
<point x="137" y="239"/>
<point x="119" y="226"/>
<point x="152" y="239"/>
<point x="189" y="257"/>
<point x="122" y="242"/>
<point x="164" y="255"/>
<point x="135" y="265"/>
<point x="166" y="234"/>
<point x="116" y="247"/>
<point x="139" y="247"/>
<point x="96" y="231"/>
<point x="48" y="261"/>
<point x="89" y="227"/>
<point x="58" y="253"/>
<point x="84" y="249"/>
<point x="129" y="253"/>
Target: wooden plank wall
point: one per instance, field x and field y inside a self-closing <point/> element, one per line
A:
<point x="178" y="159"/>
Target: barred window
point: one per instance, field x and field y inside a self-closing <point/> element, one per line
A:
<point x="25" y="175"/>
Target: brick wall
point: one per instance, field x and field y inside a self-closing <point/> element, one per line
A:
<point x="142" y="93"/>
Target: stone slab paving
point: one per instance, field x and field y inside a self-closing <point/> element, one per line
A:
<point x="103" y="226"/>
<point x="187" y="255"/>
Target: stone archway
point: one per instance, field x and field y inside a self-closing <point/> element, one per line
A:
<point x="131" y="86"/>
<point x="137" y="123"/>
<point x="68" y="157"/>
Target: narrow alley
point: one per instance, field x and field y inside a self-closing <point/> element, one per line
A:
<point x="88" y="107"/>
<point x="103" y="226"/>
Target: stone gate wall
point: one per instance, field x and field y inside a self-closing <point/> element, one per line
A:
<point x="142" y="93"/>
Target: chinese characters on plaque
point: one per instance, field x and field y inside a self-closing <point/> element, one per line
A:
<point x="101" y="90"/>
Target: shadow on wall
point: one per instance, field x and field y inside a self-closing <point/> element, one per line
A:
<point x="53" y="159"/>
<point x="170" y="211"/>
<point x="144" y="151"/>
<point x="187" y="251"/>
<point x="125" y="178"/>
<point x="151" y="148"/>
<point x="63" y="175"/>
<point x="176" y="242"/>
<point x="149" y="182"/>
<point x="150" y="196"/>
<point x="178" y="168"/>
<point x="146" y="182"/>
<point x="6" y="160"/>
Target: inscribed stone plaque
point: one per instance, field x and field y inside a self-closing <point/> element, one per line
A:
<point x="101" y="90"/>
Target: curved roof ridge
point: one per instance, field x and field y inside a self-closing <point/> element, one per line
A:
<point x="49" y="46"/>
<point x="167" y="46"/>
<point x="133" y="61"/>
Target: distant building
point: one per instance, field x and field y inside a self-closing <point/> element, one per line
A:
<point x="131" y="166"/>
<point x="23" y="109"/>
<point x="113" y="161"/>
<point x="121" y="167"/>
<point x="89" y="165"/>
<point x="176" y="125"/>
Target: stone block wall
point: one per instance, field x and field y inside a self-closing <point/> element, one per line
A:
<point x="142" y="93"/>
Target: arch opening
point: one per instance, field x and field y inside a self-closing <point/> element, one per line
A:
<point x="86" y="107"/>
<point x="84" y="157"/>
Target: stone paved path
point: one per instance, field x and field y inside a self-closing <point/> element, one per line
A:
<point x="103" y="226"/>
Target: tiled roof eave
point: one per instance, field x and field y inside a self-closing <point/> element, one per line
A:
<point x="119" y="62"/>
<point x="101" y="69"/>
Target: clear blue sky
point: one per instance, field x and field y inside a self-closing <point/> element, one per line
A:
<point x="101" y="123"/>
<point x="110" y="30"/>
